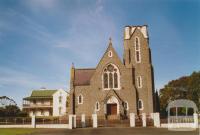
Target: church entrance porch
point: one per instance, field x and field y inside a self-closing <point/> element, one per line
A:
<point x="112" y="109"/>
<point x="111" y="106"/>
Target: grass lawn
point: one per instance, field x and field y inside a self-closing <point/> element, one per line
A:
<point x="16" y="131"/>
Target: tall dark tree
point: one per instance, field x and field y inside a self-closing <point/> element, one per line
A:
<point x="187" y="87"/>
<point x="157" y="101"/>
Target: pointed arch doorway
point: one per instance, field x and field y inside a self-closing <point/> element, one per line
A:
<point x="112" y="106"/>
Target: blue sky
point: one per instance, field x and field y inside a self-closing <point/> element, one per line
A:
<point x="39" y="39"/>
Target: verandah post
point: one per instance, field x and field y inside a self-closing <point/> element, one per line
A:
<point x="33" y="123"/>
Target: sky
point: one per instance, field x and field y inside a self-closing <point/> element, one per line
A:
<point x="39" y="39"/>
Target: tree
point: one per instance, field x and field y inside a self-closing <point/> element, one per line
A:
<point x="157" y="101"/>
<point x="186" y="87"/>
<point x="11" y="111"/>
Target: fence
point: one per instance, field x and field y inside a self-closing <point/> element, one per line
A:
<point x="180" y="119"/>
<point x="95" y="121"/>
<point x="15" y="120"/>
<point x="52" y="120"/>
<point x="121" y="122"/>
<point x="83" y="121"/>
<point x="34" y="122"/>
<point x="178" y="122"/>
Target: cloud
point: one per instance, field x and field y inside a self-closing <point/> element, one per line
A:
<point x="26" y="26"/>
<point x="89" y="29"/>
<point x="19" y="84"/>
<point x="14" y="77"/>
<point x="44" y="4"/>
<point x="86" y="37"/>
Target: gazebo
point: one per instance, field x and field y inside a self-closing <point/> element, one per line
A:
<point x="181" y="103"/>
<point x="182" y="121"/>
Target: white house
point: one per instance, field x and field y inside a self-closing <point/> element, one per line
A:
<point x="45" y="102"/>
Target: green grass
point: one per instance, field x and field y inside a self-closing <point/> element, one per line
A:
<point x="17" y="131"/>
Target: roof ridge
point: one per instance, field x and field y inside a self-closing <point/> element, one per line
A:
<point x="85" y="68"/>
<point x="45" y="90"/>
<point x="136" y="25"/>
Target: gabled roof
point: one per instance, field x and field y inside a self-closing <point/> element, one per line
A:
<point x="41" y="94"/>
<point x="83" y="76"/>
<point x="109" y="48"/>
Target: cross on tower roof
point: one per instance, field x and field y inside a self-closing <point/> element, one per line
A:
<point x="110" y="40"/>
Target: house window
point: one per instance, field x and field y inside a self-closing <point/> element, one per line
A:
<point x="139" y="82"/>
<point x="34" y="101"/>
<point x="140" y="104"/>
<point x="111" y="77"/>
<point x="60" y="110"/>
<point x="42" y="102"/>
<point x="42" y="112"/>
<point x="60" y="99"/>
<point x="80" y="99"/>
<point x="137" y="50"/>
<point x="97" y="106"/>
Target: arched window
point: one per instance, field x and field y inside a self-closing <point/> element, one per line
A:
<point x="115" y="80"/>
<point x="129" y="55"/>
<point x="126" y="107"/>
<point x="111" y="77"/>
<point x="105" y="77"/>
<point x="139" y="82"/>
<point x="80" y="99"/>
<point x="137" y="50"/>
<point x="140" y="104"/>
<point x="97" y="106"/>
<point x="110" y="54"/>
<point x="111" y="80"/>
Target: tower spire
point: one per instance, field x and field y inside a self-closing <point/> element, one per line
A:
<point x="72" y="65"/>
<point x="110" y="41"/>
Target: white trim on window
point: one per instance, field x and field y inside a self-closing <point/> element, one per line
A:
<point x="80" y="102"/>
<point x="142" y="106"/>
<point x="110" y="54"/>
<point x="60" y="110"/>
<point x="139" y="81"/>
<point x="105" y="71"/>
<point x="127" y="106"/>
<point x="137" y="50"/>
<point x="97" y="109"/>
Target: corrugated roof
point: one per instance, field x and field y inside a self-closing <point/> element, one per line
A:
<point x="26" y="98"/>
<point x="83" y="76"/>
<point x="42" y="93"/>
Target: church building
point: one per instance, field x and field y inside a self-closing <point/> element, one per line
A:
<point x="116" y="88"/>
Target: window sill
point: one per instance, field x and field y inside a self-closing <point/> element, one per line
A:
<point x="111" y="89"/>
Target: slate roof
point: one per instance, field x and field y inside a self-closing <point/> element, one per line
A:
<point x="83" y="76"/>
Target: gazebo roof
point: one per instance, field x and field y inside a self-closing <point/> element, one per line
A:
<point x="182" y="103"/>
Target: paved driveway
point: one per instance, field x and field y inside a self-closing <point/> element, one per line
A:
<point x="116" y="131"/>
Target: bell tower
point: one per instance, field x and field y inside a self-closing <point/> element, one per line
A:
<point x="137" y="56"/>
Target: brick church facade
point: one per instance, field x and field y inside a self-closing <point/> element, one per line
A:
<point x="115" y="87"/>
